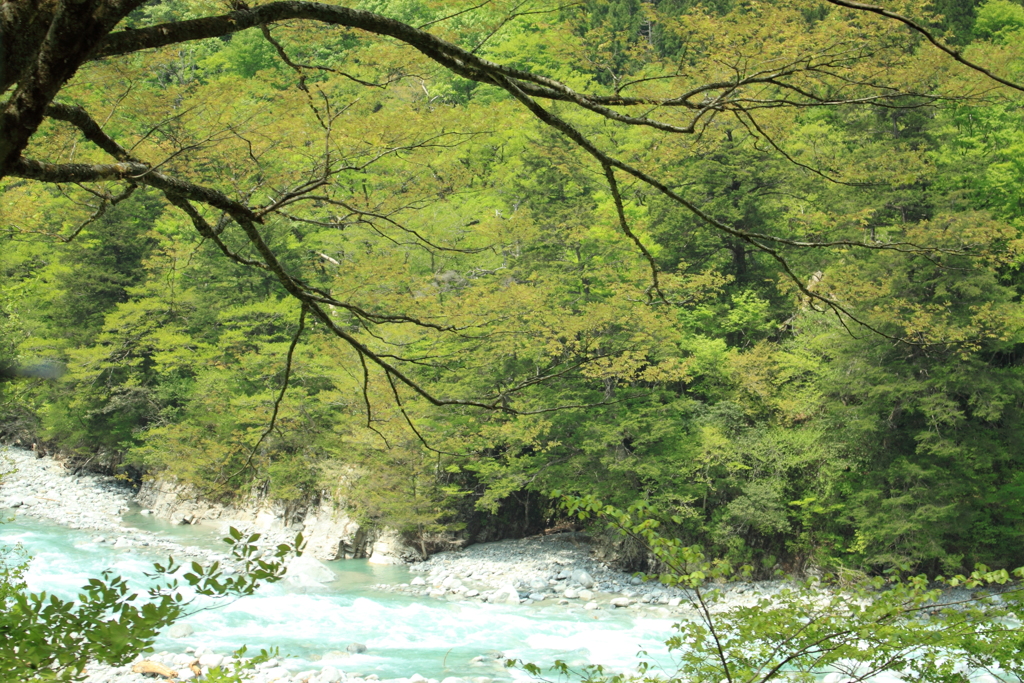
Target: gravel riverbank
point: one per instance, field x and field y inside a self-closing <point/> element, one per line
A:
<point x="44" y="489"/>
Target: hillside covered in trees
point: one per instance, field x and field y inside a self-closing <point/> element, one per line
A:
<point x="764" y="276"/>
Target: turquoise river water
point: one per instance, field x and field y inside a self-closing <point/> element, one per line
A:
<point x="403" y="635"/>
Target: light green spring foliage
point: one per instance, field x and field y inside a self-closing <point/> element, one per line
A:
<point x="758" y="425"/>
<point x="1000" y="20"/>
<point x="46" y="638"/>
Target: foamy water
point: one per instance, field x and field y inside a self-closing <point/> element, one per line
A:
<point x="403" y="635"/>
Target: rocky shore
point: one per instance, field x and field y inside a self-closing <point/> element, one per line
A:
<point x="554" y="569"/>
<point x="44" y="489"/>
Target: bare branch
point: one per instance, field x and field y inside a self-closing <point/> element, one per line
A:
<point x="929" y="36"/>
<point x="106" y="201"/>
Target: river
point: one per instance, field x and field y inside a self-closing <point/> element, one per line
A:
<point x="403" y="635"/>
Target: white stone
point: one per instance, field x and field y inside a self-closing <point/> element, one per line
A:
<point x="586" y="595"/>
<point x="180" y="631"/>
<point x="591" y="605"/>
<point x="583" y="578"/>
<point x="621" y="602"/>
<point x="570" y="594"/>
<point x="417" y="581"/>
<point x="211" y="660"/>
<point x="278" y="672"/>
<point x="506" y="594"/>
<point x="186" y="674"/>
<point x="307" y="572"/>
<point x="674" y="602"/>
<point x="329" y="674"/>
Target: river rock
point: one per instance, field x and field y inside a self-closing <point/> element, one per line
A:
<point x="583" y="578"/>
<point x="277" y="672"/>
<point x="211" y="660"/>
<point x="505" y="595"/>
<point x="329" y="674"/>
<point x="186" y="674"/>
<point x="621" y="602"/>
<point x="591" y="605"/>
<point x="570" y="594"/>
<point x="586" y="595"/>
<point x="180" y="631"/>
<point x="307" y="572"/>
<point x="356" y="648"/>
<point x="417" y="581"/>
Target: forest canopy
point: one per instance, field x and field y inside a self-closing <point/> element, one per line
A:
<point x="753" y="264"/>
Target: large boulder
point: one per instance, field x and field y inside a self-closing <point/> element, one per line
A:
<point x="507" y="595"/>
<point x="180" y="631"/>
<point x="307" y="572"/>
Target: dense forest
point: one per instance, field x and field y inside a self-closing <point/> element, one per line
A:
<point x="814" y="360"/>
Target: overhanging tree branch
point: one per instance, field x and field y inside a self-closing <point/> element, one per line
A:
<point x="930" y="37"/>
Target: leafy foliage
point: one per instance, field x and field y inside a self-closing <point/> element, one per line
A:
<point x="849" y="405"/>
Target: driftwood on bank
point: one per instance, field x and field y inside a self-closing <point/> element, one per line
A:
<point x="150" y="667"/>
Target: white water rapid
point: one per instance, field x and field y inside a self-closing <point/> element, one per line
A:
<point x="403" y="635"/>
